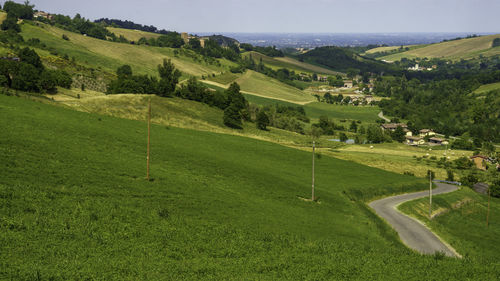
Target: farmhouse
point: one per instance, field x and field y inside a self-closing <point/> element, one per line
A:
<point x="322" y="78"/>
<point x="479" y="161"/>
<point x="393" y="126"/>
<point x="410" y="140"/>
<point x="426" y="132"/>
<point x="438" y="141"/>
<point x="42" y="14"/>
<point x="348" y="84"/>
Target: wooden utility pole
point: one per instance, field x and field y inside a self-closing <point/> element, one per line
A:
<point x="312" y="196"/>
<point x="149" y="137"/>
<point x="430" y="195"/>
<point x="488" y="214"/>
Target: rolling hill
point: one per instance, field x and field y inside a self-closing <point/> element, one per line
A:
<point x="218" y="206"/>
<point x="290" y="63"/>
<point x="454" y="50"/>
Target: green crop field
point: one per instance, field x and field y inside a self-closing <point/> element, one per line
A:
<point x="454" y="50"/>
<point x="74" y="204"/>
<point x="259" y="84"/>
<point x="131" y="34"/>
<point x="225" y="78"/>
<point x="460" y="218"/>
<point x="109" y="55"/>
<point x="387" y="48"/>
<point x="289" y="63"/>
<point x="363" y="113"/>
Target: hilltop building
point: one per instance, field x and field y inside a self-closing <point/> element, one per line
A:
<point x="42" y="14"/>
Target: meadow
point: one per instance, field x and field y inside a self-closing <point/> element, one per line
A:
<point x="460" y="219"/>
<point x="486" y="88"/>
<point x="74" y="204"/>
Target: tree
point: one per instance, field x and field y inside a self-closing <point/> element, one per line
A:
<point x="169" y="77"/>
<point x="124" y="71"/>
<point x="232" y="117"/>
<point x="29" y="56"/>
<point x="343" y="137"/>
<point x="449" y="175"/>
<point x="374" y="134"/>
<point x="398" y="134"/>
<point x="10" y="23"/>
<point x="262" y="120"/>
<point x="354" y="126"/>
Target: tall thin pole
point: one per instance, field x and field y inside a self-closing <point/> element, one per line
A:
<point x="430" y="195"/>
<point x="488" y="215"/>
<point x="312" y="196"/>
<point x="149" y="137"/>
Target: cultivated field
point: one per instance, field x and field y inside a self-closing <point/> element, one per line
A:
<point x="454" y="50"/>
<point x="254" y="82"/>
<point x="132" y="34"/>
<point x="486" y="88"/>
<point x="109" y="55"/>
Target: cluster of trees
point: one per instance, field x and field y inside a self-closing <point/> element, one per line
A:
<point x="16" y="11"/>
<point x="170" y="40"/>
<point x="268" y="51"/>
<point x="447" y="105"/>
<point x="29" y="74"/>
<point x="496" y="43"/>
<point x="143" y="84"/>
<point x="79" y="24"/>
<point x="130" y="25"/>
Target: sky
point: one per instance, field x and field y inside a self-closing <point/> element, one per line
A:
<point x="292" y="16"/>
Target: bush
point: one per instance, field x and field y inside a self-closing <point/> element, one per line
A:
<point x="65" y="37"/>
<point x="449" y="175"/>
<point x="232" y="117"/>
<point x="262" y="120"/>
<point x="469" y="180"/>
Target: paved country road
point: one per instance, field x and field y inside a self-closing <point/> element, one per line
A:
<point x="411" y="231"/>
<point x="381" y="115"/>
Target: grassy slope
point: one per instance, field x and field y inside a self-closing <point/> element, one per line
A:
<point x="487" y="87"/>
<point x="109" y="55"/>
<point x="362" y="113"/>
<point x="133" y="35"/>
<point x="457" y="49"/>
<point x="254" y="82"/>
<point x="290" y="63"/>
<point x="220" y="207"/>
<point x="3" y="16"/>
<point x="387" y="48"/>
<point x="462" y="221"/>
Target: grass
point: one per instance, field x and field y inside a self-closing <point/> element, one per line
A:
<point x="220" y="206"/>
<point x="453" y="50"/>
<point x="387" y="49"/>
<point x="398" y="158"/>
<point x="460" y="218"/>
<point x="132" y="34"/>
<point x="225" y="78"/>
<point x="366" y="114"/>
<point x="486" y="88"/>
<point x="109" y="56"/>
<point x="289" y="63"/>
<point x="258" y="84"/>
<point x="3" y="16"/>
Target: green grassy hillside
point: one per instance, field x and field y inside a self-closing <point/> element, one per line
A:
<point x="454" y="50"/>
<point x="3" y="16"/>
<point x="460" y="218"/>
<point x="262" y="85"/>
<point x="109" y="55"/>
<point x="74" y="204"/>
<point x="131" y="34"/>
<point x="487" y="87"/>
<point x="290" y="63"/>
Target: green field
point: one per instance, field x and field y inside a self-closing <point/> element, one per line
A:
<point x="453" y="50"/>
<point x="387" y="49"/>
<point x="460" y="218"/>
<point x="487" y="87"/>
<point x="109" y="56"/>
<point x="289" y="63"/>
<point x="261" y="85"/>
<point x="131" y="34"/>
<point x="74" y="204"/>
<point x="363" y="113"/>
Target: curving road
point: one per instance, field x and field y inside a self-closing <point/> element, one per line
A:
<point x="381" y="115"/>
<point x="411" y="231"/>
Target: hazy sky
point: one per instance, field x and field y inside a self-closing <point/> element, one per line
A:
<point x="335" y="16"/>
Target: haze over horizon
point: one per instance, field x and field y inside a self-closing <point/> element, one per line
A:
<point x="293" y="16"/>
